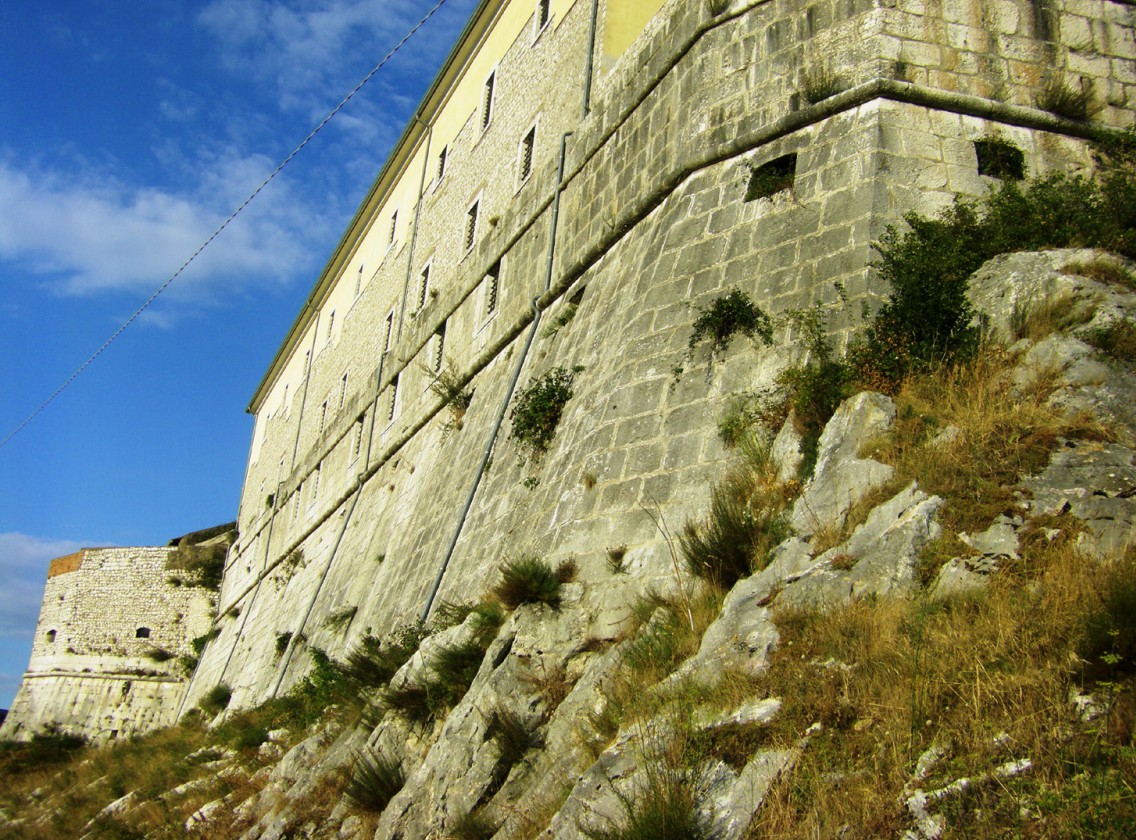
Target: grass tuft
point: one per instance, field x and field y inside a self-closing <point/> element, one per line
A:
<point x="375" y="779"/>
<point x="528" y="580"/>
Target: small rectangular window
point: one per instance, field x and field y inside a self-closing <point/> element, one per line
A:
<point x="330" y="324"/>
<point x="316" y="481"/>
<point x="487" y="100"/>
<point x="389" y="330"/>
<point x="394" y="228"/>
<point x="492" y="288"/>
<point x="526" y="154"/>
<point x="323" y="416"/>
<point x="442" y="162"/>
<point x="999" y="159"/>
<point x="342" y="391"/>
<point x="471" y="226"/>
<point x="543" y="12"/>
<point x="772" y="177"/>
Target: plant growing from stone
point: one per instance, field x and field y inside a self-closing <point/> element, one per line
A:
<point x="537" y="409"/>
<point x="375" y="779"/>
<point x="216" y="699"/>
<point x="528" y="580"/>
<point x="733" y="313"/>
<point x="820" y="83"/>
<point x="448" y="387"/>
<point x="341" y="619"/>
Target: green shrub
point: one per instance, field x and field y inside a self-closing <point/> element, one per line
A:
<point x="1109" y="643"/>
<point x="216" y="699"/>
<point x="1060" y="98"/>
<point x="926" y="319"/>
<point x="528" y="580"/>
<point x="282" y="642"/>
<point x="514" y="738"/>
<point x="820" y="83"/>
<point x="536" y="412"/>
<point x="201" y="565"/>
<point x="451" y="671"/>
<point x="616" y="555"/>
<point x="1118" y="339"/>
<point x="733" y="313"/>
<point x="375" y="779"/>
<point x="744" y="525"/>
<point x="159" y="655"/>
<point x="815" y="388"/>
<point x="448" y="387"/>
<point x="44" y="748"/>
<point x="371" y="662"/>
<point x="341" y="619"/>
<point x="473" y="826"/>
<point x="199" y="642"/>
<point x="667" y="806"/>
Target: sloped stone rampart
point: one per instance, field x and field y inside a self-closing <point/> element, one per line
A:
<point x="653" y="221"/>
<point x="104" y="612"/>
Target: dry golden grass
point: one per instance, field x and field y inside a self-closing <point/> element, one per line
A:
<point x="987" y="678"/>
<point x="997" y="436"/>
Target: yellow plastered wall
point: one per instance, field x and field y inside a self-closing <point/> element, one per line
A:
<point x="624" y="22"/>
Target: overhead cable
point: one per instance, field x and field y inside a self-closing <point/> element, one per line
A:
<point x="146" y="305"/>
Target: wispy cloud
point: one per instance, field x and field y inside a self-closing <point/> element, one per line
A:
<point x="312" y="50"/>
<point x="23" y="564"/>
<point x="86" y="234"/>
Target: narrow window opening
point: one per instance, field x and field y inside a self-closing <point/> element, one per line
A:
<point x="394" y="227"/>
<point x="394" y="398"/>
<point x="543" y="12"/>
<point x="471" y="226"/>
<point x="342" y="391"/>
<point x="330" y="324"/>
<point x="357" y="440"/>
<point x="323" y="416"/>
<point x="142" y="633"/>
<point x="51" y="637"/>
<point x="423" y="287"/>
<point x="492" y="288"/>
<point x="389" y="330"/>
<point x="439" y="345"/>
<point x="442" y="162"/>
<point x="316" y="481"/>
<point x="526" y="154"/>
<point x="359" y="282"/>
<point x="487" y="101"/>
<point x="771" y="178"/>
<point x="1000" y="159"/>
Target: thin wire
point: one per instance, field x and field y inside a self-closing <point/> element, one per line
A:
<point x="223" y="225"/>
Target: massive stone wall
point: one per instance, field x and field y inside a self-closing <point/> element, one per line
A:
<point x="653" y="220"/>
<point x="108" y="615"/>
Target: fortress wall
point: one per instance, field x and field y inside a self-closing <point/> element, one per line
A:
<point x="653" y="219"/>
<point x="90" y="671"/>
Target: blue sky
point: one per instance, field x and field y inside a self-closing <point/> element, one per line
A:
<point x="129" y="132"/>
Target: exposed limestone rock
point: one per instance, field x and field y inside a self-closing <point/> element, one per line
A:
<point x="881" y="553"/>
<point x="1096" y="483"/>
<point x="841" y="477"/>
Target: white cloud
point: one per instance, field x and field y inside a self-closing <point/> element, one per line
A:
<point x="95" y="233"/>
<point x="23" y="565"/>
<point x="312" y="51"/>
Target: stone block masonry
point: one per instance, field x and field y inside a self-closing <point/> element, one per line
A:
<point x="108" y="616"/>
<point x="355" y="510"/>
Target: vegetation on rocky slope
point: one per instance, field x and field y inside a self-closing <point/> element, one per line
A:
<point x="1006" y="707"/>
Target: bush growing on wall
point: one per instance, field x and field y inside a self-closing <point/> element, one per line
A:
<point x="536" y="412"/>
<point x="926" y="319"/>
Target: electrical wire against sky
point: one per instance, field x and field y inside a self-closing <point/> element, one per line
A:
<point x="181" y="269"/>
